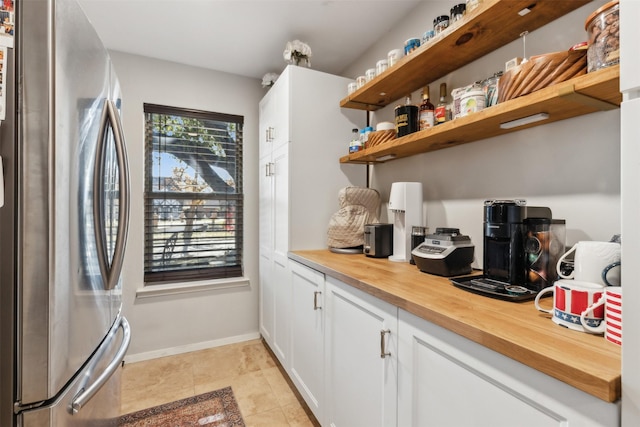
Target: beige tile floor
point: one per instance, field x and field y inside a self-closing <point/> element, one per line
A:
<point x="263" y="393"/>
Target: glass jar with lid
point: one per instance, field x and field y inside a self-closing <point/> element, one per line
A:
<point x="440" y="24"/>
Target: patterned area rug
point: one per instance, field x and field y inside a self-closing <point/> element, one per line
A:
<point x="214" y="409"/>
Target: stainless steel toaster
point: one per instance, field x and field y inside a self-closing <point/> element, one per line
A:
<point x="378" y="240"/>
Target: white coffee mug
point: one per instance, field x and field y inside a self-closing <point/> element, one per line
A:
<point x="612" y="324"/>
<point x="596" y="262"/>
<point x="570" y="299"/>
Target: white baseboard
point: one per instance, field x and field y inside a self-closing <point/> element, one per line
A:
<point x="172" y="351"/>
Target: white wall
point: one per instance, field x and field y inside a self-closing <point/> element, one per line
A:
<point x="572" y="166"/>
<point x="187" y="321"/>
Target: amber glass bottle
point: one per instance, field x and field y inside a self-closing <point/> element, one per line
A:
<point x="426" y="117"/>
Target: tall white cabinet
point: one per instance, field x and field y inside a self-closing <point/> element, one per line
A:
<point x="302" y="133"/>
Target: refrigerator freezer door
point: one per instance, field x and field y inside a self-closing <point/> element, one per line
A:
<point x="82" y="402"/>
<point x="64" y="303"/>
<point x="629" y="36"/>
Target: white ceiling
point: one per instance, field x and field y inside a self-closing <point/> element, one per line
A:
<point x="245" y="37"/>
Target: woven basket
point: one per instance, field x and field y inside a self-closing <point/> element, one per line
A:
<point x="541" y="71"/>
<point x="380" y="136"/>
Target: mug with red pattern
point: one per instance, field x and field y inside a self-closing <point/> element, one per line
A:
<point x="612" y="324"/>
<point x="570" y="299"/>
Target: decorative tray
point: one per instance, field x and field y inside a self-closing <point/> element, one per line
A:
<point x="380" y="136"/>
<point x="494" y="288"/>
<point x="541" y="71"/>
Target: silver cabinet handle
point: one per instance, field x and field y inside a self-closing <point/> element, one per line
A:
<point x="268" y="169"/>
<point x="87" y="393"/>
<point x="383" y="352"/>
<point x="315" y="300"/>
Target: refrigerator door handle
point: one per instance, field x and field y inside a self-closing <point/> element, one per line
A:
<point x="87" y="393"/>
<point x="111" y="273"/>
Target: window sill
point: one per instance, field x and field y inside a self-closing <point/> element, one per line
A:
<point x="152" y="291"/>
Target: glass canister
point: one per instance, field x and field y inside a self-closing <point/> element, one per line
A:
<point x="394" y="56"/>
<point x="490" y="88"/>
<point x="472" y="4"/>
<point x="427" y="35"/>
<point x="458" y="11"/>
<point x="440" y="24"/>
<point x="410" y="45"/>
<point x="381" y="66"/>
<point x="603" y="31"/>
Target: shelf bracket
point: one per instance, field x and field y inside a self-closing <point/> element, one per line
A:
<point x="569" y="93"/>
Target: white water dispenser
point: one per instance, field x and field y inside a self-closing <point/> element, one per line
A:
<point x="405" y="211"/>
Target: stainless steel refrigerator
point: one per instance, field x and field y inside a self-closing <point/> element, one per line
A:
<point x="63" y="225"/>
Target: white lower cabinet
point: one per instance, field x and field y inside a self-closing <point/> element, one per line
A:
<point x="307" y="336"/>
<point x="361" y="358"/>
<point x="448" y="380"/>
<point x="360" y="361"/>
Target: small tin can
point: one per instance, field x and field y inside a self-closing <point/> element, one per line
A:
<point x="394" y="56"/>
<point x="440" y="24"/>
<point x="411" y="45"/>
<point x="428" y="35"/>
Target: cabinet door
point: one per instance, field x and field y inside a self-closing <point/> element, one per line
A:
<point x="281" y="276"/>
<point x="265" y="206"/>
<point x="447" y="380"/>
<point x="629" y="34"/>
<point x="361" y="358"/>
<point x="280" y="163"/>
<point x="267" y="112"/>
<point x="274" y="118"/>
<point x="265" y="253"/>
<point x="307" y="335"/>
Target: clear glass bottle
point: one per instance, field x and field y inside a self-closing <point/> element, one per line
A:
<point x="441" y="109"/>
<point x="426" y="116"/>
<point x="354" y="144"/>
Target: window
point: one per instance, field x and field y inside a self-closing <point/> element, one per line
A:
<point x="193" y="195"/>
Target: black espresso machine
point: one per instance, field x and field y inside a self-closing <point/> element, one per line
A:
<point x="522" y="245"/>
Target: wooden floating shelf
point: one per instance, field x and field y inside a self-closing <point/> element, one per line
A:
<point x="493" y="24"/>
<point x="595" y="91"/>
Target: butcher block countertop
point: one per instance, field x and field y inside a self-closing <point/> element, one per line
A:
<point x="515" y="329"/>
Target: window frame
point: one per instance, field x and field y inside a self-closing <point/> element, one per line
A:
<point x="236" y="200"/>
